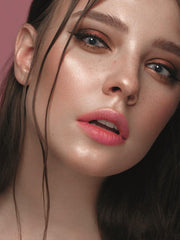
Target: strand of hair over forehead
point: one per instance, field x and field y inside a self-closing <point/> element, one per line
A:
<point x="44" y="143"/>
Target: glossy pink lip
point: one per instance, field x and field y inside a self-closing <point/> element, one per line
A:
<point x="102" y="135"/>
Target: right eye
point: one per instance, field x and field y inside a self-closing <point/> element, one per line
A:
<point x="91" y="39"/>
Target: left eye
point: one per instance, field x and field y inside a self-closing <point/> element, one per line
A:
<point x="161" y="69"/>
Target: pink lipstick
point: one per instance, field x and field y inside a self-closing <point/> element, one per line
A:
<point x="105" y="126"/>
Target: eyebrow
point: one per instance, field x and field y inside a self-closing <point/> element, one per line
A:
<point x="167" y="46"/>
<point x="105" y="18"/>
<point x="121" y="26"/>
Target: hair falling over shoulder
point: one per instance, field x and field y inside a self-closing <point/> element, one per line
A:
<point x="142" y="203"/>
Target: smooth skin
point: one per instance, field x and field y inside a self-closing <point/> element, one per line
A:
<point x="124" y="58"/>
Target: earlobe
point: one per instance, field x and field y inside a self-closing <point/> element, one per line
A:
<point x="24" y="51"/>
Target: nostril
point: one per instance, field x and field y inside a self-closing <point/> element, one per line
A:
<point x="114" y="89"/>
<point x="131" y="99"/>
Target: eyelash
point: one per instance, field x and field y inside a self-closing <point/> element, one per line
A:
<point x="81" y="36"/>
<point x="172" y="77"/>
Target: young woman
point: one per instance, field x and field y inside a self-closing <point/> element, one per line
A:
<point x="90" y="123"/>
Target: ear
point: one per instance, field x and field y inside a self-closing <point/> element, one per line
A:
<point x="24" y="50"/>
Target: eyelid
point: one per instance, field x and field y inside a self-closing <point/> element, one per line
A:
<point x="162" y="62"/>
<point x="168" y="66"/>
<point x="99" y="34"/>
<point x="95" y="31"/>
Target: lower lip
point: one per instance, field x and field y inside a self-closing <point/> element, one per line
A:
<point x="101" y="135"/>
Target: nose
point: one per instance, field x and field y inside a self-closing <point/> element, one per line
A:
<point x="123" y="84"/>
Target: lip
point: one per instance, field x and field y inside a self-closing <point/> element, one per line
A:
<point x="102" y="135"/>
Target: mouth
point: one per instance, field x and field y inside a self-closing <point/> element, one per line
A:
<point x="105" y="126"/>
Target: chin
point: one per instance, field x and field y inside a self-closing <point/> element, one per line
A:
<point x="93" y="160"/>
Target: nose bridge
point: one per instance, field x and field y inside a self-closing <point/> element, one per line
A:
<point x="123" y="77"/>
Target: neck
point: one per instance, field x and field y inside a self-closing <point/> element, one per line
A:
<point x="72" y="198"/>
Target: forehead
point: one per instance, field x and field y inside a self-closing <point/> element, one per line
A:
<point x="162" y="15"/>
<point x="146" y="8"/>
<point x="150" y="16"/>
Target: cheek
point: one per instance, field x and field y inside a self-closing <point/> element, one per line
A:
<point x="77" y="83"/>
<point x="157" y="105"/>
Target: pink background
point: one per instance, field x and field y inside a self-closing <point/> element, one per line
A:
<point x="13" y="13"/>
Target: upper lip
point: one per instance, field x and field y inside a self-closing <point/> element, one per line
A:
<point x="109" y="115"/>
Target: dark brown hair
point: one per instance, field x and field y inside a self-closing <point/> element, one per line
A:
<point x="139" y="204"/>
<point x="13" y="112"/>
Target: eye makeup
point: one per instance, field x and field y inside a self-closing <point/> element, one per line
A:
<point x="164" y="69"/>
<point x="93" y="39"/>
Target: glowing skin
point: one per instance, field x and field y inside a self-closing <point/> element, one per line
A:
<point x="88" y="75"/>
<point x="116" y="69"/>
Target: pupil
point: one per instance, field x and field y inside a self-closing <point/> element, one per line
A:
<point x="158" y="68"/>
<point x="92" y="41"/>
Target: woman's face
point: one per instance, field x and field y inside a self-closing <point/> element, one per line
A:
<point x="122" y="66"/>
